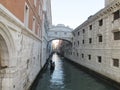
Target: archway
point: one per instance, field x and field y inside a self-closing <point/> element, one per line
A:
<point x="50" y="48"/>
<point x="4" y="56"/>
<point x="7" y="56"/>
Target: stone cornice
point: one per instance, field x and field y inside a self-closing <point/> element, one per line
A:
<point x="11" y="18"/>
<point x="103" y="12"/>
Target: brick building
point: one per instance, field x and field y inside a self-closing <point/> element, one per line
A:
<point x="29" y="12"/>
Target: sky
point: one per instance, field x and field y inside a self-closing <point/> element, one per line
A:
<point x="72" y="13"/>
<point x="55" y="42"/>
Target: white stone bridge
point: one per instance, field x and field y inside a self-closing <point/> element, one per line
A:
<point x="60" y="32"/>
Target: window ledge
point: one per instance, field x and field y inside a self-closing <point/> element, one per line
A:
<point x="115" y="30"/>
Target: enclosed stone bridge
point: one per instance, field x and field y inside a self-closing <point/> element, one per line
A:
<point x="60" y="32"/>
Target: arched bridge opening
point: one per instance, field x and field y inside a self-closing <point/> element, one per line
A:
<point x="56" y="45"/>
<point x="61" y="33"/>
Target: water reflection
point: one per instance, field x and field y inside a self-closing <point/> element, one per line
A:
<point x="57" y="77"/>
<point x="68" y="77"/>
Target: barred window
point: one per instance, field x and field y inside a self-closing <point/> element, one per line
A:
<point x="78" y="33"/>
<point x="83" y="30"/>
<point x="90" y="27"/>
<point x="89" y="57"/>
<point x="117" y="35"/>
<point x="90" y="40"/>
<point x="100" y="38"/>
<point x="78" y="42"/>
<point x="82" y="55"/>
<point x="101" y="22"/>
<point x="116" y="62"/>
<point x="77" y="54"/>
<point x="83" y="41"/>
<point x="116" y="14"/>
<point x="99" y="59"/>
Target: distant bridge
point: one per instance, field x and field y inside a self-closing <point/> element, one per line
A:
<point x="60" y="32"/>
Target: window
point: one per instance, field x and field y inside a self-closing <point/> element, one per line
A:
<point x="117" y="35"/>
<point x="100" y="38"/>
<point x="90" y="40"/>
<point x="82" y="55"/>
<point x="89" y="57"/>
<point x="78" y="33"/>
<point x="33" y="26"/>
<point x="83" y="41"/>
<point x="78" y="42"/>
<point x="90" y="27"/>
<point x="83" y="30"/>
<point x="101" y="22"/>
<point x="77" y="54"/>
<point x="116" y="14"/>
<point x="26" y="15"/>
<point x="116" y="62"/>
<point x="99" y="59"/>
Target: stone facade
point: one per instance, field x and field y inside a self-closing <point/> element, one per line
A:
<point x="108" y="2"/>
<point x="96" y="42"/>
<point x="47" y="23"/>
<point x="22" y="42"/>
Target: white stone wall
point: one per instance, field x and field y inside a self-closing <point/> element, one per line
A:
<point x="24" y="61"/>
<point x="107" y="2"/>
<point x="107" y="49"/>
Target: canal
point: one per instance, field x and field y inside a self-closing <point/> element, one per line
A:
<point x="68" y="77"/>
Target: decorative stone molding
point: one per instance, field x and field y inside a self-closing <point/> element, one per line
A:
<point x="10" y="45"/>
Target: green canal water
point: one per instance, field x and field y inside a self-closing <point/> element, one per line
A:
<point x="68" y="77"/>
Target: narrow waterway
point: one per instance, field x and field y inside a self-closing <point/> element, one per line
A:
<point x="68" y="77"/>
